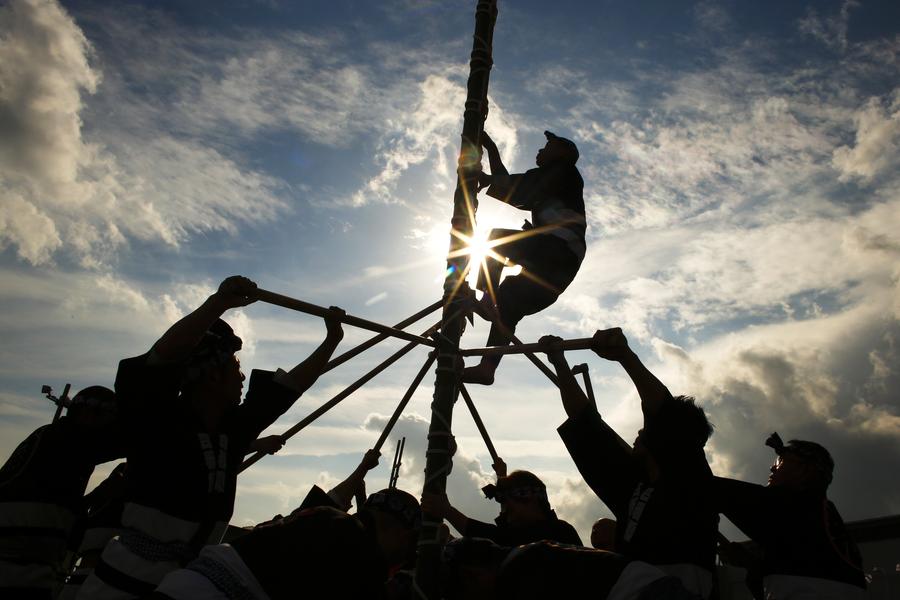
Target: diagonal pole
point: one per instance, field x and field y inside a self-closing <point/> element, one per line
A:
<point x="479" y="423"/>
<point x="341" y="396"/>
<point x="404" y="401"/>
<point x="321" y="311"/>
<point x="438" y="456"/>
<point x="356" y="351"/>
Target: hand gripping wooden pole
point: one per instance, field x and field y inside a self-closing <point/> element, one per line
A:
<point x="479" y="423"/>
<point x="341" y="396"/>
<point x="582" y="370"/>
<point x="320" y="311"/>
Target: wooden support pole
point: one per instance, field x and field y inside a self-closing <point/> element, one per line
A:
<point x="404" y="401"/>
<point x="479" y="423"/>
<point x="576" y="344"/>
<point x="320" y="311"/>
<point x="356" y="351"/>
<point x="438" y="457"/>
<point x="341" y="396"/>
<point x="582" y="370"/>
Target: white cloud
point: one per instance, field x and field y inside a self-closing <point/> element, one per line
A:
<point x="877" y="141"/>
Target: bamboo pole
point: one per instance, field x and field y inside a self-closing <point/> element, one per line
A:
<point x="576" y="344"/>
<point x="320" y="311"/>
<point x="582" y="369"/>
<point x="341" y="396"/>
<point x="353" y="352"/>
<point x="439" y="454"/>
<point x="479" y="423"/>
<point x="404" y="401"/>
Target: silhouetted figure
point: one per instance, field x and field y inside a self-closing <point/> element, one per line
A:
<point x="659" y="490"/>
<point x="477" y="569"/>
<point x="42" y="493"/>
<point x="603" y="535"/>
<point x="525" y="513"/>
<point x="391" y="516"/>
<point x="104" y="505"/>
<point x="806" y="550"/>
<point x="188" y="432"/>
<point x="315" y="553"/>
<point x="550" y="248"/>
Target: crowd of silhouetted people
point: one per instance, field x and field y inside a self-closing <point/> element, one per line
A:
<point x="157" y="527"/>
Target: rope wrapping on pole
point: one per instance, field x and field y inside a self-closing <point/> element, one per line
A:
<point x="341" y="396"/>
<point x="320" y="311"/>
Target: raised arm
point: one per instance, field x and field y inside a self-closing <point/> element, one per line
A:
<point x="499" y="176"/>
<point x="344" y="492"/>
<point x="181" y="338"/>
<point x="611" y="344"/>
<point x="306" y="373"/>
<point x="573" y="398"/>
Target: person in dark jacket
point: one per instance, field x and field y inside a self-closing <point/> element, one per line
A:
<point x="188" y="432"/>
<point x="806" y="550"/>
<point x="549" y="250"/>
<point x="525" y="513"/>
<point x="42" y="489"/>
<point x="316" y="552"/>
<point x="659" y="491"/>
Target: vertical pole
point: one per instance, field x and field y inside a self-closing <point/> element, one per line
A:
<point x="446" y="386"/>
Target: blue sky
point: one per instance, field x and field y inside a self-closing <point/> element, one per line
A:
<point x="742" y="189"/>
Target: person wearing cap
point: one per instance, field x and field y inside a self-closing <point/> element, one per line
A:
<point x="525" y="513"/>
<point x="659" y="490"/>
<point x="549" y="249"/>
<point x="42" y="489"/>
<point x="188" y="432"/>
<point x="806" y="550"/>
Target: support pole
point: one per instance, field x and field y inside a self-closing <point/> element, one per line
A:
<point x="438" y="456"/>
<point x="582" y="370"/>
<point x="519" y="348"/>
<point x="404" y="401"/>
<point x="479" y="423"/>
<point x="341" y="396"/>
<point x="356" y="351"/>
<point x="320" y="311"/>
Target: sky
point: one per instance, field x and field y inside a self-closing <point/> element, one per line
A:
<point x="741" y="183"/>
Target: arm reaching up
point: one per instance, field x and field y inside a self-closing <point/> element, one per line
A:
<point x="499" y="176"/>
<point x="611" y="344"/>
<point x="306" y="373"/>
<point x="346" y="490"/>
<point x="181" y="338"/>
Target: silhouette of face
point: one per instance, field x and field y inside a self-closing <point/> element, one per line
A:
<point x="790" y="471"/>
<point x="520" y="511"/>
<point x="552" y="151"/>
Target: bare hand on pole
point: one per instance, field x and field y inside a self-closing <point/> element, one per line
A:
<point x="345" y="491"/>
<point x="573" y="398"/>
<point x="267" y="445"/>
<point x="499" y="467"/>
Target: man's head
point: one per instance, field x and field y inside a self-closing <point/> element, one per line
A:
<point x="603" y="535"/>
<point x="213" y="376"/>
<point x="397" y="518"/>
<point x="557" y="150"/>
<point x="469" y="568"/>
<point x="94" y="406"/>
<point x="680" y="426"/>
<point x="522" y="497"/>
<point x="800" y="464"/>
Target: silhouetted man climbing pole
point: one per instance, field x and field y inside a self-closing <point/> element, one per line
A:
<point x="550" y="248"/>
